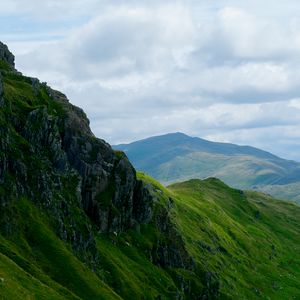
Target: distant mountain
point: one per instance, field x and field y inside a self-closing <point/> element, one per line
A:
<point x="176" y="156"/>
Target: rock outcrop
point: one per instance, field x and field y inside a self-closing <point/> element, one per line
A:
<point x="6" y="55"/>
<point x="49" y="155"/>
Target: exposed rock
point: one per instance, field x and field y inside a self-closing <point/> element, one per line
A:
<point x="142" y="203"/>
<point x="170" y="252"/>
<point x="6" y="55"/>
<point x="1" y="90"/>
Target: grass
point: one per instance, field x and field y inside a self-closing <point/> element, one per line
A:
<point x="42" y="266"/>
<point x="23" y="97"/>
<point x="248" y="239"/>
<point x="18" y="284"/>
<point x="128" y="270"/>
<point x="5" y="65"/>
<point x="38" y="252"/>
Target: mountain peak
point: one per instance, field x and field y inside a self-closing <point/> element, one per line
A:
<point x="178" y="133"/>
<point x="6" y="55"/>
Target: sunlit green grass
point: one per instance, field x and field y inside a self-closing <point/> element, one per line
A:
<point x="249" y="239"/>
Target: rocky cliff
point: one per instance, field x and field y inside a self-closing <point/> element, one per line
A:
<point x="49" y="156"/>
<point x="6" y="56"/>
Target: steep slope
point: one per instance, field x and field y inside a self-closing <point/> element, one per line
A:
<point x="249" y="240"/>
<point x="176" y="157"/>
<point x="71" y="208"/>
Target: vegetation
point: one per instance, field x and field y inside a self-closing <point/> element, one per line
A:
<point x="250" y="240"/>
<point x="4" y="65"/>
<point x="35" y="263"/>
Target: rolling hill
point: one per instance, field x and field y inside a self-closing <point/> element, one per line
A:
<point x="175" y="157"/>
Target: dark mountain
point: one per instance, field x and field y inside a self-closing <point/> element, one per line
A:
<point x="187" y="144"/>
<point x="78" y="222"/>
<point x="176" y="157"/>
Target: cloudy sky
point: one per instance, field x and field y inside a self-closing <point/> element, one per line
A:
<point x="221" y="70"/>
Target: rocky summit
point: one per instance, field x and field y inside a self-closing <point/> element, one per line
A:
<point x="78" y="222"/>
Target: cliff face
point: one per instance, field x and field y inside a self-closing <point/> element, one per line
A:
<point x="49" y="155"/>
<point x="6" y="56"/>
<point x="105" y="180"/>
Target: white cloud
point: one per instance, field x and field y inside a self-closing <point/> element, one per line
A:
<point x="48" y="9"/>
<point x="225" y="71"/>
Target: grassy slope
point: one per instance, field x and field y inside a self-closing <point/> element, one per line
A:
<point x="249" y="239"/>
<point x="36" y="264"/>
<point x="51" y="269"/>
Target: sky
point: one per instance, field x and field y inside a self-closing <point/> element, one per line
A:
<point x="221" y="70"/>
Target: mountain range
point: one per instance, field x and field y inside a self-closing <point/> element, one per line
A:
<point x="175" y="157"/>
<point x="77" y="221"/>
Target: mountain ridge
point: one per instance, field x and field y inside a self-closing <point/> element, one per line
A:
<point x="182" y="136"/>
<point x="176" y="156"/>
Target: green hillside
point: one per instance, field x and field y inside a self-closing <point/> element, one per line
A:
<point x="246" y="244"/>
<point x="36" y="264"/>
<point x="249" y="239"/>
<point x="176" y="157"/>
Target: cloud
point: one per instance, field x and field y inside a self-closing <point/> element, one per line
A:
<point x="124" y="41"/>
<point x="48" y="9"/>
<point x="139" y="68"/>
